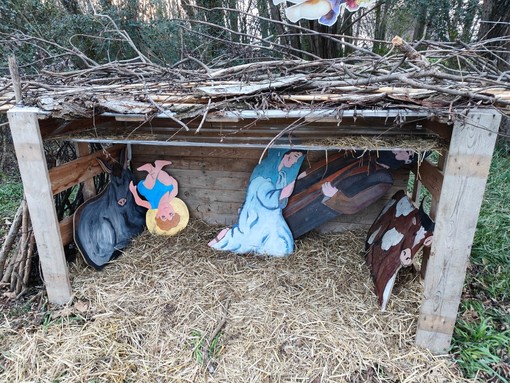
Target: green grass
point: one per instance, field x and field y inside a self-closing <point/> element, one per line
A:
<point x="197" y="342"/>
<point x="11" y="194"/>
<point x="481" y="342"/>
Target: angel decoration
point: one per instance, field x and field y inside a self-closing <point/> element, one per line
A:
<point x="393" y="240"/>
<point x="167" y="214"/>
<point x="325" y="11"/>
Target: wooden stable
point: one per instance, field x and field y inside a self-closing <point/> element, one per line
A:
<point x="213" y="162"/>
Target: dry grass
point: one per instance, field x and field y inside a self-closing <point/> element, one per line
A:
<point x="309" y="318"/>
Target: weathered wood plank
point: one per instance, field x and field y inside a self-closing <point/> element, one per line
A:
<point x="465" y="176"/>
<point x="66" y="230"/>
<point x="199" y="163"/>
<point x="431" y="177"/>
<point x="210" y="196"/>
<point x="215" y="218"/>
<point x="212" y="179"/>
<point x="82" y="169"/>
<point x="36" y="181"/>
<point x="201" y="152"/>
<point x="433" y="208"/>
<point x="89" y="189"/>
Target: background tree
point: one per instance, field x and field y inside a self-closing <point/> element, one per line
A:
<point x="495" y="25"/>
<point x="217" y="31"/>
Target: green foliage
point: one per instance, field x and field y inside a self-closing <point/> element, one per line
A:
<point x="32" y="22"/>
<point x="490" y="254"/>
<point x="481" y="342"/>
<point x="442" y="20"/>
<point x="197" y="342"/>
<point x="11" y="194"/>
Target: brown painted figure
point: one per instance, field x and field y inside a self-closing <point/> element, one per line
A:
<point x="393" y="240"/>
<point x="345" y="183"/>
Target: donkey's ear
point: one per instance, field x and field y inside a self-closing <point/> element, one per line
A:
<point x="124" y="157"/>
<point x="105" y="165"/>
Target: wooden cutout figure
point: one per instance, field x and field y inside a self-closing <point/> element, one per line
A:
<point x="345" y="183"/>
<point x="393" y="240"/>
<point x="261" y="228"/>
<point x="106" y="223"/>
<point x="325" y="11"/>
<point x="167" y="214"/>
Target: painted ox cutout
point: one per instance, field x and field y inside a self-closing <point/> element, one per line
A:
<point x="393" y="240"/>
<point x="325" y="11"/>
<point x="106" y="223"/>
<point x="260" y="227"/>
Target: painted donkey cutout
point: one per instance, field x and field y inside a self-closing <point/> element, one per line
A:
<point x="106" y="223"/>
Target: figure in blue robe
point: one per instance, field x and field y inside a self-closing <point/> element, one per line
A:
<point x="261" y="227"/>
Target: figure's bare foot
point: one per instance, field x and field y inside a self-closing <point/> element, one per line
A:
<point x="219" y="237"/>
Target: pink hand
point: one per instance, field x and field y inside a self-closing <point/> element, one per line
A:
<point x="287" y="191"/>
<point x="329" y="190"/>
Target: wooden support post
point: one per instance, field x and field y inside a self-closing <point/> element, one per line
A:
<point x="36" y="182"/>
<point x="465" y="176"/>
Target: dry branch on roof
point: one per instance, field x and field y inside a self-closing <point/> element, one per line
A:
<point x="441" y="77"/>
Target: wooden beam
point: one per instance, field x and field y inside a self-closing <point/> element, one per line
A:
<point x="66" y="230"/>
<point x="435" y="181"/>
<point x="36" y="182"/>
<point x="465" y="176"/>
<point x="80" y="170"/>
<point x="431" y="177"/>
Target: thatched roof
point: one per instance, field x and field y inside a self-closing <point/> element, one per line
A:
<point x="444" y="81"/>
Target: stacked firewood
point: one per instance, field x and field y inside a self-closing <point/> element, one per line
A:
<point x="17" y="252"/>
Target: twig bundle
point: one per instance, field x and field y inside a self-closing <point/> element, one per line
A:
<point x="440" y="77"/>
<point x="15" y="265"/>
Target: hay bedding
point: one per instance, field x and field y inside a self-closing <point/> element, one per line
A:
<point x="309" y="318"/>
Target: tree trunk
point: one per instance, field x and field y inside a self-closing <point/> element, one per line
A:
<point x="275" y="15"/>
<point x="381" y="14"/>
<point x="347" y="20"/>
<point x="495" y="24"/>
<point x="71" y="6"/>
<point x="421" y="22"/>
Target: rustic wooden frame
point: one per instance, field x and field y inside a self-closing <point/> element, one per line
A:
<point x="457" y="192"/>
<point x="464" y="178"/>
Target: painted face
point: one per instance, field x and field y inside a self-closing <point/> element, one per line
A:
<point x="291" y="158"/>
<point x="165" y="212"/>
<point x="406" y="257"/>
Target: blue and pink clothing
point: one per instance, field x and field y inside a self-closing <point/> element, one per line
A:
<point x="154" y="195"/>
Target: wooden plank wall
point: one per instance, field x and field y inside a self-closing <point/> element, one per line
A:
<point x="213" y="181"/>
